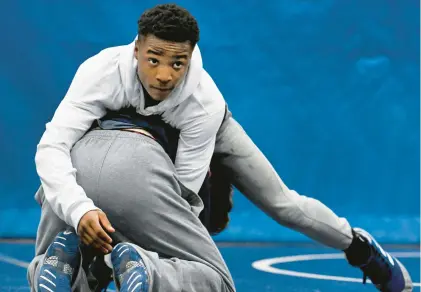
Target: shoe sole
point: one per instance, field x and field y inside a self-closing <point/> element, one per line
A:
<point x="109" y="262"/>
<point x="408" y="282"/>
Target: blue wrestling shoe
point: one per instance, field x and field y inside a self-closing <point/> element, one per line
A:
<point x="61" y="260"/>
<point x="129" y="270"/>
<point x="384" y="270"/>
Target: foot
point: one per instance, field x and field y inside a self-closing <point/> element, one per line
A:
<point x="130" y="272"/>
<point x="384" y="270"/>
<point x="61" y="260"/>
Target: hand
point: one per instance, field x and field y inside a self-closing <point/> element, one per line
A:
<point x="91" y="230"/>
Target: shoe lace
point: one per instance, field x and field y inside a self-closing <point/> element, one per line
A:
<point x="375" y="269"/>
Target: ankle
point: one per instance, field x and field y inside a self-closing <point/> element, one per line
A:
<point x="359" y="252"/>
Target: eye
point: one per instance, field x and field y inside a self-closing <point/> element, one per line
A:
<point x="178" y="65"/>
<point x="153" y="61"/>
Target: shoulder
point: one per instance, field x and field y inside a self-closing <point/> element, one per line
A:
<point x="206" y="103"/>
<point x="102" y="64"/>
<point x="208" y="96"/>
<point x="99" y="72"/>
<point x="98" y="79"/>
<point x="206" y="100"/>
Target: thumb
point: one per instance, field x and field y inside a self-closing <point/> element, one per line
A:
<point x="104" y="222"/>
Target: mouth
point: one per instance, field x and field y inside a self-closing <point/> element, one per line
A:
<point x="162" y="89"/>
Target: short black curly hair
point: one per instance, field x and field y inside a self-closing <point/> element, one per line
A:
<point x="169" y="22"/>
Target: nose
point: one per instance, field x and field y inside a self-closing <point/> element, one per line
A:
<point x="164" y="75"/>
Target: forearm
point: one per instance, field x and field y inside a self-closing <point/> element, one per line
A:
<point x="58" y="177"/>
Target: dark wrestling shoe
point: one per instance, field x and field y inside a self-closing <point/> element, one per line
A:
<point x="385" y="271"/>
<point x="61" y="260"/>
<point x="130" y="273"/>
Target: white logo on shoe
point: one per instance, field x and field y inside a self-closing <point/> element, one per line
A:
<point x="385" y="254"/>
<point x="52" y="261"/>
<point x="371" y="240"/>
<point x="67" y="232"/>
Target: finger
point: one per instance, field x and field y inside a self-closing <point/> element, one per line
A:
<point x="100" y="236"/>
<point x="102" y="251"/>
<point x="96" y="227"/>
<point x="97" y="241"/>
<point x="87" y="240"/>
<point x="81" y="232"/>
<point x="99" y="248"/>
<point x="100" y="232"/>
<point x="100" y="245"/>
<point x="81" y="229"/>
<point x="105" y="222"/>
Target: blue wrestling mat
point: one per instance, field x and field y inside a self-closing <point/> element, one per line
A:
<point x="255" y="267"/>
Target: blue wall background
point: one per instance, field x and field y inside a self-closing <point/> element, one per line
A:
<point x="335" y="82"/>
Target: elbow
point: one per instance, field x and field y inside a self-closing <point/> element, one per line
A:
<point x="40" y="154"/>
<point x="48" y="151"/>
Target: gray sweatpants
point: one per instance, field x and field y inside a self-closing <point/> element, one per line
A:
<point x="133" y="181"/>
<point x="255" y="177"/>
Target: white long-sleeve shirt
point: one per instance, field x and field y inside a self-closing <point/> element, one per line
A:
<point x="108" y="80"/>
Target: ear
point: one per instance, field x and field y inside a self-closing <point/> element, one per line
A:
<point x="192" y="47"/>
<point x="136" y="49"/>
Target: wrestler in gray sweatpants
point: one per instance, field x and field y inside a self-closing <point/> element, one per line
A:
<point x="255" y="177"/>
<point x="131" y="178"/>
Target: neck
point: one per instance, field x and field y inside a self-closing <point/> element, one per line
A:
<point x="149" y="101"/>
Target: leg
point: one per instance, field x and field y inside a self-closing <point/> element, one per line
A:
<point x="133" y="181"/>
<point x="254" y="176"/>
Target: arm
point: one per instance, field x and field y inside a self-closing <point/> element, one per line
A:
<point x="195" y="150"/>
<point x="90" y="93"/>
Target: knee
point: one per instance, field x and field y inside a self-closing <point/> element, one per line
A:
<point x="216" y="280"/>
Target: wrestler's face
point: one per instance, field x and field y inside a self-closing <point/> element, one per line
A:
<point x="161" y="64"/>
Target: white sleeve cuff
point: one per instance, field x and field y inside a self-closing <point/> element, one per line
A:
<point x="78" y="212"/>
